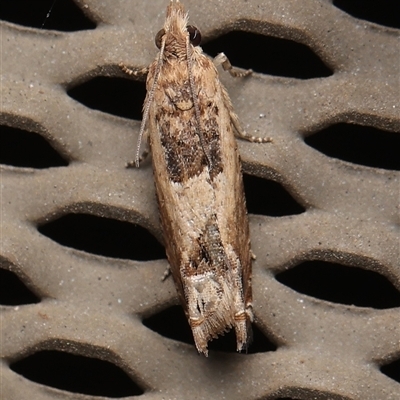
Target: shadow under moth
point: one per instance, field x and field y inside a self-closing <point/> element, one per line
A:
<point x="189" y="124"/>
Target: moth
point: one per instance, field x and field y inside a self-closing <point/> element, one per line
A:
<point x="190" y="124"/>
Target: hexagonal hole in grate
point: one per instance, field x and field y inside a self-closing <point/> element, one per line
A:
<point x="172" y="323"/>
<point x="383" y="12"/>
<point x="392" y="370"/>
<point x="46" y="14"/>
<point x="104" y="236"/>
<point x="364" y="145"/>
<point x="117" y="96"/>
<point x="341" y="284"/>
<point x="21" y="148"/>
<point x="13" y="292"/>
<point x="268" y="55"/>
<point x="76" y="374"/>
<point x="298" y="393"/>
<point x="267" y="197"/>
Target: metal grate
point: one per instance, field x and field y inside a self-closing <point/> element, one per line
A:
<point x="84" y="311"/>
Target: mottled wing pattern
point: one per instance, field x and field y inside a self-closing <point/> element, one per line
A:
<point x="199" y="189"/>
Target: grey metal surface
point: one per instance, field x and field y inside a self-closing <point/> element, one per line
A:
<point x="92" y="305"/>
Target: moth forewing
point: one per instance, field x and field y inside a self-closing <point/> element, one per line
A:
<point x="189" y="120"/>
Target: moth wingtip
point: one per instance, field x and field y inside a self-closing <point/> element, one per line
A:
<point x="242" y="346"/>
<point x="205" y="353"/>
<point x="202" y="350"/>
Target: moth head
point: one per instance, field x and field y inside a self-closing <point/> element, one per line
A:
<point x="194" y="36"/>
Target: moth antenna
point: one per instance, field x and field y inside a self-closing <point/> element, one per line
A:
<point x="196" y="101"/>
<point x="149" y="101"/>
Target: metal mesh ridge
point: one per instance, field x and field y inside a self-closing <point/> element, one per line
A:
<point x="94" y="306"/>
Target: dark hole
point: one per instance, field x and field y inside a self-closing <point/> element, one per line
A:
<point x="13" y="292"/>
<point x="358" y="144"/>
<point x="21" y="148"/>
<point x="117" y="96"/>
<point x="104" y="236"/>
<point x="268" y="55"/>
<point x="77" y="374"/>
<point x="392" y="370"/>
<point x="340" y="284"/>
<point x="287" y="398"/>
<point x="173" y="324"/>
<point x="297" y="393"/>
<point x="266" y="197"/>
<point x="64" y="15"/>
<point x="383" y="12"/>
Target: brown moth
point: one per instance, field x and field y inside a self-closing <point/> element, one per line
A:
<point x="190" y="123"/>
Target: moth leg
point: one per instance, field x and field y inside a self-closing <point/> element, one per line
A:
<point x="140" y="73"/>
<point x="142" y="157"/>
<point x="241" y="133"/>
<point x="144" y="154"/>
<point x="167" y="273"/>
<point x="222" y="59"/>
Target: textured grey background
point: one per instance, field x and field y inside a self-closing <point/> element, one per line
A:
<point x="341" y="213"/>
